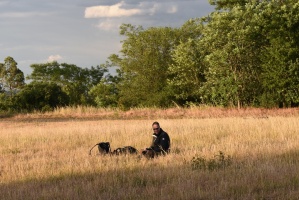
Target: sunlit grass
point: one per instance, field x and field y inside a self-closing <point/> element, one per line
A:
<point x="79" y="112"/>
<point x="46" y="159"/>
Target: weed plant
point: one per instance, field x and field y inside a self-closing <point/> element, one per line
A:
<point x="219" y="161"/>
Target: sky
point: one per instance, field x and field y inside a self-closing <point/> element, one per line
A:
<point x="82" y="32"/>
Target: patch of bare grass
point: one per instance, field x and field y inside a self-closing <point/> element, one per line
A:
<point x="91" y="113"/>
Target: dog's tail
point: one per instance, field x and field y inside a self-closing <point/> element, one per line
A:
<point x="92" y="148"/>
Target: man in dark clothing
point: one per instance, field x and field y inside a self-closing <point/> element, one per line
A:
<point x="160" y="144"/>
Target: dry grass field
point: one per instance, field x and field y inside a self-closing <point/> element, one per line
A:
<point x="45" y="156"/>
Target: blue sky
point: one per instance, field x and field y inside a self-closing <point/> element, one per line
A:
<point x="81" y="32"/>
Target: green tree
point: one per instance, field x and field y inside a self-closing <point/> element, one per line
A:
<point x="143" y="65"/>
<point x="233" y="43"/>
<point x="228" y="4"/>
<point x="252" y="53"/>
<point x="1" y="72"/>
<point x="105" y="93"/>
<point x="75" y="81"/>
<point x="6" y="103"/>
<point x="280" y="69"/>
<point x="11" y="77"/>
<point x="187" y="71"/>
<point x="41" y="96"/>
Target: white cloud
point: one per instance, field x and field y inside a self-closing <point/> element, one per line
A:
<point x="120" y="10"/>
<point x="110" y="11"/>
<point x="172" y="9"/>
<point x="54" y="58"/>
<point x="152" y="8"/>
<point x="108" y="25"/>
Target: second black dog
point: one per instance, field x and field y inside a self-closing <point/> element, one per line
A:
<point x="125" y="150"/>
<point x="104" y="148"/>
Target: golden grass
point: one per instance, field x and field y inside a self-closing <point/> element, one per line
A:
<point x="81" y="112"/>
<point x="48" y="159"/>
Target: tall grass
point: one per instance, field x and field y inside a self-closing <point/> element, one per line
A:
<point x="46" y="159"/>
<point x="80" y="112"/>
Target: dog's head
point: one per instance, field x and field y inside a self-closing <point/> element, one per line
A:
<point x="104" y="147"/>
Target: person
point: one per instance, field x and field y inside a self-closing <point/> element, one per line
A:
<point x="160" y="144"/>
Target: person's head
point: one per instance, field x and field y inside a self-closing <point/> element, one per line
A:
<point x="156" y="127"/>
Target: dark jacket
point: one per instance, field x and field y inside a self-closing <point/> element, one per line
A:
<point x="161" y="142"/>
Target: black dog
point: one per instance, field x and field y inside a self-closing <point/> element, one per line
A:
<point x="125" y="150"/>
<point x="104" y="148"/>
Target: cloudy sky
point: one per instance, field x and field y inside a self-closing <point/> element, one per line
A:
<point x="81" y="32"/>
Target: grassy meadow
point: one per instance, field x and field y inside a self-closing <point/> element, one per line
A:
<point x="46" y="156"/>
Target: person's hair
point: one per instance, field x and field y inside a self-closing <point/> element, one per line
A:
<point x="157" y="123"/>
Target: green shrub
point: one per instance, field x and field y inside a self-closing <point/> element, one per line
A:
<point x="217" y="162"/>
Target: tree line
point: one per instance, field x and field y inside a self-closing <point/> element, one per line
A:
<point x="243" y="54"/>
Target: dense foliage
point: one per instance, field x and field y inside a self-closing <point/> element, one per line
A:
<point x="41" y="96"/>
<point x="245" y="53"/>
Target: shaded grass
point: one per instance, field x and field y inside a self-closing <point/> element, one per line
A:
<point x="242" y="180"/>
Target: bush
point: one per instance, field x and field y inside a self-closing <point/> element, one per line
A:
<point x="218" y="162"/>
<point x="41" y="96"/>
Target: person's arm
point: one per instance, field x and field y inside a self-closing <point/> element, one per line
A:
<point x="154" y="140"/>
<point x="164" y="142"/>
